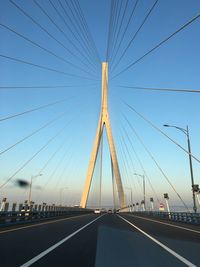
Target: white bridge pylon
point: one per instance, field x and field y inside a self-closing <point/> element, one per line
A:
<point x="104" y="121"/>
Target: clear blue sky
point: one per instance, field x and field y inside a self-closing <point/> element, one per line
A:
<point x="174" y="65"/>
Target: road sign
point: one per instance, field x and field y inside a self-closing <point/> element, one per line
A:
<point x="161" y="207"/>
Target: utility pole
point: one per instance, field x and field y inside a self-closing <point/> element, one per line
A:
<point x="30" y="188"/>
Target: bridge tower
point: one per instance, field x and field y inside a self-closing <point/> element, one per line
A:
<point x="104" y="121"/>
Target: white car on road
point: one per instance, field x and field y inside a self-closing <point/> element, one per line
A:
<point x="97" y="211"/>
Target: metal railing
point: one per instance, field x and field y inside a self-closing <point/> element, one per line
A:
<point x="27" y="214"/>
<point x="185" y="217"/>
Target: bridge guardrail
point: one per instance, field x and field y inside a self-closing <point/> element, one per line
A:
<point x="13" y="217"/>
<point x="185" y="217"/>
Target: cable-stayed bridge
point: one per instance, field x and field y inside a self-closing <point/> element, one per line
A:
<point x="127" y="195"/>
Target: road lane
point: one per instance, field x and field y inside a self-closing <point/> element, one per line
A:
<point x="182" y="241"/>
<point x="53" y="247"/>
<point x="107" y="242"/>
<point x="18" y="247"/>
<point x="80" y="250"/>
<point x="172" y="252"/>
<point x="125" y="246"/>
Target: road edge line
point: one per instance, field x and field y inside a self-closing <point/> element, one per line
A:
<point x="181" y="258"/>
<point x="164" y="223"/>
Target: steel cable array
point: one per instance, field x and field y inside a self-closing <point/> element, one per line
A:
<point x="69" y="39"/>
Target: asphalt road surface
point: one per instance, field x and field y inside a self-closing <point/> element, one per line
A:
<point x="108" y="240"/>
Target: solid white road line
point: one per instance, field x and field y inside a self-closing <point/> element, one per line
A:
<point x="182" y="259"/>
<point x="169" y="224"/>
<point x="42" y="254"/>
<point x="39" y="224"/>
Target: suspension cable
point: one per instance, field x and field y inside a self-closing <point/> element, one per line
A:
<point x="33" y="156"/>
<point x="158" y="45"/>
<point x="42" y="48"/>
<point x="126" y="160"/>
<point x="109" y="29"/>
<point x="156" y="163"/>
<point x="119" y="30"/>
<point x="77" y="28"/>
<point x="32" y="110"/>
<point x="115" y="30"/>
<point x="141" y="165"/>
<point x="31" y="134"/>
<point x="156" y="128"/>
<point x="127" y="25"/>
<point x="134" y="36"/>
<point x="87" y="30"/>
<point x="43" y="67"/>
<point x="161" y="89"/>
<point x="45" y="86"/>
<point x="71" y="31"/>
<point x="47" y="32"/>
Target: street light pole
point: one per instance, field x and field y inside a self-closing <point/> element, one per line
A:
<point x="186" y="132"/>
<point x="191" y="171"/>
<point x="61" y="189"/>
<point x="131" y="196"/>
<point x="144" y="191"/>
<point x="30" y="188"/>
<point x="143" y="177"/>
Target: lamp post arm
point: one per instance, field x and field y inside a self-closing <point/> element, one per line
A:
<point x="185" y="131"/>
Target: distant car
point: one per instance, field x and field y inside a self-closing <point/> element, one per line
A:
<point x="109" y="211"/>
<point x="25" y="211"/>
<point x="97" y="211"/>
